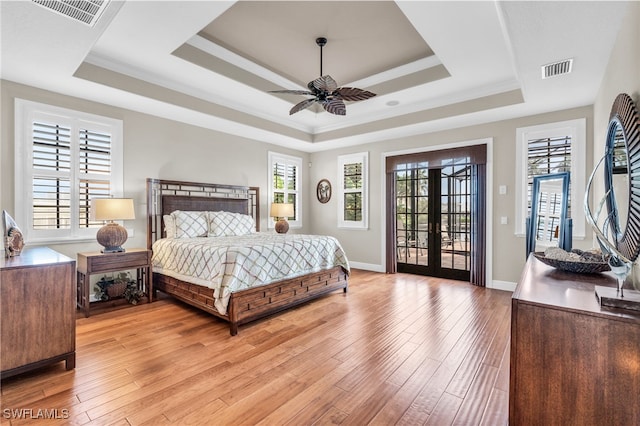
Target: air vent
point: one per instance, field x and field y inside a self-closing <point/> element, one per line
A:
<point x="557" y="68"/>
<point x="85" y="11"/>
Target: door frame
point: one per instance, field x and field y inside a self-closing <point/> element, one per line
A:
<point x="489" y="197"/>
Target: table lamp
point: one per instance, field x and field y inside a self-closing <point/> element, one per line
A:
<point x="280" y="212"/>
<point x="112" y="235"/>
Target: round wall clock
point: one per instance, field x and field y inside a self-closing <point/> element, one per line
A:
<point x="323" y="191"/>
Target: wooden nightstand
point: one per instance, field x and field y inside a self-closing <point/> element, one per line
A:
<point x="96" y="262"/>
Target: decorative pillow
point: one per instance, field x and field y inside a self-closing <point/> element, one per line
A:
<point x="190" y="224"/>
<point x="169" y="226"/>
<point x="223" y="224"/>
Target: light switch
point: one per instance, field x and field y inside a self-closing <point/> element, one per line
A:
<point x="504" y="220"/>
<point x="502" y="189"/>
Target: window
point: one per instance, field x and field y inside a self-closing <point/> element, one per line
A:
<point x="63" y="159"/>
<point x="285" y="178"/>
<point x="551" y="148"/>
<point x="352" y="191"/>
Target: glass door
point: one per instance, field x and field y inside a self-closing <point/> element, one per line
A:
<point x="433" y="219"/>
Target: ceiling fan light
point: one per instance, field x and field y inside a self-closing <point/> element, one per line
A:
<point x="326" y="92"/>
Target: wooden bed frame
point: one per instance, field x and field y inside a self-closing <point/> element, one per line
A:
<point x="164" y="196"/>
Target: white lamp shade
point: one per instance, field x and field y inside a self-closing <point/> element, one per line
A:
<point x="281" y="210"/>
<point x="112" y="209"/>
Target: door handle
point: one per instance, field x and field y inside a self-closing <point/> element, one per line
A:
<point x="437" y="228"/>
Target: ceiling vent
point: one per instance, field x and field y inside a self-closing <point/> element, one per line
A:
<point x="85" y="11"/>
<point x="557" y="68"/>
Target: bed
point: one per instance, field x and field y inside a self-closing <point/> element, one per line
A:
<point x="218" y="293"/>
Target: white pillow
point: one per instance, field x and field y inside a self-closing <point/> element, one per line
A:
<point x="169" y="226"/>
<point x="190" y="224"/>
<point x="223" y="224"/>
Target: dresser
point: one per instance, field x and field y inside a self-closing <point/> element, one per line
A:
<point x="572" y="363"/>
<point x="38" y="310"/>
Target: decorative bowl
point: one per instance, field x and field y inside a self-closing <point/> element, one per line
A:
<point x="573" y="266"/>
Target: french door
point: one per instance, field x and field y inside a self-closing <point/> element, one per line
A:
<point x="433" y="219"/>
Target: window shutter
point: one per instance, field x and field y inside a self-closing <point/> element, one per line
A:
<point x="285" y="181"/>
<point x="94" y="169"/>
<point x="546" y="156"/>
<point x="352" y="202"/>
<point x="353" y="193"/>
<point x="51" y="145"/>
<point x="549" y="155"/>
<point x="64" y="158"/>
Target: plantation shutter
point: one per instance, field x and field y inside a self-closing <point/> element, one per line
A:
<point x="285" y="183"/>
<point x="51" y="176"/>
<point x="94" y="167"/>
<point x="352" y="173"/>
<point x="547" y="156"/>
<point x="54" y="173"/>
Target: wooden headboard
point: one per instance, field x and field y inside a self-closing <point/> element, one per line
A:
<point x="166" y="196"/>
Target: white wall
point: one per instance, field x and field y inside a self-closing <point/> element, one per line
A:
<point x="161" y="148"/>
<point x="153" y="148"/>
<point x="622" y="76"/>
<point x="508" y="255"/>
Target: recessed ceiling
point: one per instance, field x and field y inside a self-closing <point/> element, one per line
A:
<point x="273" y="35"/>
<point x="434" y="65"/>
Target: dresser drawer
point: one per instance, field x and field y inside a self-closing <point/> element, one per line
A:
<point x="96" y="263"/>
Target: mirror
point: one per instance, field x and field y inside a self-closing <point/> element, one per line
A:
<point x="622" y="176"/>
<point x="547" y="225"/>
<point x="617" y="179"/>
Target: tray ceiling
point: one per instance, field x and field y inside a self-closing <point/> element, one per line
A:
<point x="434" y="65"/>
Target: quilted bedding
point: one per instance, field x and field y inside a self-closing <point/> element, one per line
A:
<point x="233" y="263"/>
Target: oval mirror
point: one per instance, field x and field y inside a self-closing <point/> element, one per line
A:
<point x="622" y="176"/>
<point x="617" y="179"/>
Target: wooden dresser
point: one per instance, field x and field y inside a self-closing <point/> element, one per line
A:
<point x="38" y="311"/>
<point x="572" y="363"/>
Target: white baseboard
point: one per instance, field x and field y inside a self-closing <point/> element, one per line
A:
<point x="502" y="285"/>
<point x="495" y="284"/>
<point x="367" y="266"/>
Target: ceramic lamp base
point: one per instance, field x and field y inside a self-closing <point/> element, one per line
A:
<point x="282" y="226"/>
<point x="112" y="236"/>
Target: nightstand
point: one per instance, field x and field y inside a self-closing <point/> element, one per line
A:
<point x="96" y="263"/>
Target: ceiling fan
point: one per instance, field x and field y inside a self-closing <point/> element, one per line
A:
<point x="326" y="92"/>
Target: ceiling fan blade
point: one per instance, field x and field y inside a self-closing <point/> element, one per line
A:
<point x="325" y="83"/>
<point x="353" y="94"/>
<point x="301" y="105"/>
<point x="335" y="106"/>
<point x="293" y="92"/>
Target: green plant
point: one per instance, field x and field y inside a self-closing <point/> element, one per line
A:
<point x="132" y="293"/>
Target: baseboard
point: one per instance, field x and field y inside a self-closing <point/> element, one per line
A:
<point x="367" y="266"/>
<point x="495" y="284"/>
<point x="502" y="285"/>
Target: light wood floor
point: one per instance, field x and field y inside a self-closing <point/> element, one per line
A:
<point x="396" y="349"/>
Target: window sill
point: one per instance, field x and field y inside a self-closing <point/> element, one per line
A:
<point x="66" y="240"/>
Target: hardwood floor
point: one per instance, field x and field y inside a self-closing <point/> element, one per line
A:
<point x="396" y="349"/>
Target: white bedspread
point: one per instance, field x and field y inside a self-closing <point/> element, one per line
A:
<point x="229" y="264"/>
